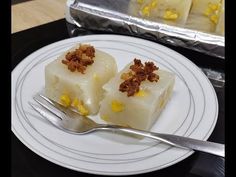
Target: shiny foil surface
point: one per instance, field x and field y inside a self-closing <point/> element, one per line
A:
<point x="113" y="16"/>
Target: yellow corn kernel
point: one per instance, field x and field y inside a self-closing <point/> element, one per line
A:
<point x="80" y="106"/>
<point x="214" y="7"/>
<point x="170" y="15"/>
<point x="141" y="93"/>
<point x="162" y="102"/>
<point x="105" y="117"/>
<point x="65" y="100"/>
<point x="214" y="19"/>
<point x="126" y="76"/>
<point x="140" y="1"/>
<point x="117" y="106"/>
<point x="146" y="11"/>
<point x="95" y="77"/>
<point x="208" y="11"/>
<point x="154" y="4"/>
<point x="75" y="102"/>
<point x="82" y="110"/>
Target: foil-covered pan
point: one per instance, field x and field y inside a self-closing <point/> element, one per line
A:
<point x="112" y="16"/>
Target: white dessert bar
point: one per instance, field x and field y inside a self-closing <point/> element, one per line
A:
<point x="137" y="107"/>
<point x="220" y="28"/>
<point x="78" y="83"/>
<point x="204" y="15"/>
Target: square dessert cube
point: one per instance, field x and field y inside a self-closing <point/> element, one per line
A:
<point x="76" y="78"/>
<point x="220" y="28"/>
<point x="204" y="15"/>
<point x="205" y="6"/>
<point x="128" y="103"/>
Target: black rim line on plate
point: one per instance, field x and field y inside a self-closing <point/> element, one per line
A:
<point x="87" y="152"/>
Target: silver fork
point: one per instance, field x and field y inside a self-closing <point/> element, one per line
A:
<point x="70" y="121"/>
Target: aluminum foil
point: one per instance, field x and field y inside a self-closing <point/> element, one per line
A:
<point x="112" y="16"/>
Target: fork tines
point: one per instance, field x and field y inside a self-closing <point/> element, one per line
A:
<point x="49" y="105"/>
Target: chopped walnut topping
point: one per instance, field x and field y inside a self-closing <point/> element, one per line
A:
<point x="138" y="73"/>
<point x="87" y="61"/>
<point x="131" y="86"/>
<point x="81" y="68"/>
<point x="90" y="51"/>
<point x="80" y="58"/>
<point x="65" y="62"/>
<point x="137" y="65"/>
<point x="153" y="77"/>
<point x="78" y="53"/>
<point x="150" y="67"/>
<point x="72" y="66"/>
<point x="138" y="62"/>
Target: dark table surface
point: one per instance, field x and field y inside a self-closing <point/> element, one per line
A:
<point x="25" y="163"/>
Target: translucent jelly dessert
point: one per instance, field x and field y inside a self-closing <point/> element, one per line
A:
<point x="76" y="78"/>
<point x="136" y="96"/>
<point x="220" y="28"/>
<point x="205" y="15"/>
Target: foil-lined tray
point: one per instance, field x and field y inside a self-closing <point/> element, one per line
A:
<point x="112" y="16"/>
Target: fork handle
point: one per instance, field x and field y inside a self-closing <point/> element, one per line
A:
<point x="174" y="140"/>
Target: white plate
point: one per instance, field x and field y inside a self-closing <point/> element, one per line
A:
<point x="191" y="112"/>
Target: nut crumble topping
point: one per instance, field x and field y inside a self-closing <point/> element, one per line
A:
<point x="138" y="73"/>
<point x="80" y="58"/>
